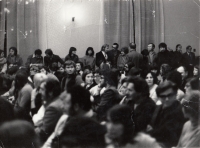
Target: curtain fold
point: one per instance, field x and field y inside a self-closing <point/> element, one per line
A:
<point x="118" y="24"/>
<point x="2" y="24"/>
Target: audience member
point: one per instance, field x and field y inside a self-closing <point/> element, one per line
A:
<point x="14" y="61"/>
<point x="192" y="84"/>
<point x="18" y="134"/>
<point x="141" y="104"/>
<point x="79" y="68"/>
<point x="184" y="74"/>
<point x="152" y="81"/>
<point x="102" y="57"/>
<point x="88" y="79"/>
<point x="3" y="62"/>
<point x="50" y="91"/>
<point x="196" y="71"/>
<point x="177" y="56"/>
<point x="134" y="57"/>
<point x="35" y="59"/>
<point x="123" y="58"/>
<point x="188" y="59"/>
<point x="191" y="130"/>
<point x="113" y="55"/>
<point x="152" y="54"/>
<point x="51" y="58"/>
<point x="22" y="94"/>
<point x="72" y="55"/>
<point x="175" y="77"/>
<point x="89" y="58"/>
<point x="168" y="119"/>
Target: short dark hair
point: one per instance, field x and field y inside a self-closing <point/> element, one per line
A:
<point x="53" y="85"/>
<point x="80" y="96"/>
<point x="81" y="63"/>
<point x="38" y="52"/>
<point x="89" y="48"/>
<point x="110" y="76"/>
<point x="175" y="77"/>
<point x="116" y="44"/>
<point x="125" y="50"/>
<point x="140" y="85"/>
<point x="153" y="45"/>
<point x="122" y="114"/>
<point x="83" y="132"/>
<point x="71" y="49"/>
<point x="49" y="52"/>
<point x="14" y="49"/>
<point x="188" y="47"/>
<point x="165" y="86"/>
<point x="132" y="45"/>
<point x="69" y="62"/>
<point x="162" y="45"/>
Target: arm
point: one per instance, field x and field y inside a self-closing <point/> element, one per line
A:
<point x="28" y="62"/>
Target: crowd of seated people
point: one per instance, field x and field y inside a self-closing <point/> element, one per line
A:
<point x="118" y="98"/>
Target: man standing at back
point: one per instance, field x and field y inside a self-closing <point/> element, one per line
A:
<point x="113" y="55"/>
<point x="134" y="56"/>
<point x="152" y="54"/>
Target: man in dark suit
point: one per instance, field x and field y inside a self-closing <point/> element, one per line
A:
<point x="168" y="119"/>
<point x="142" y="106"/>
<point x="113" y="55"/>
<point x="188" y="60"/>
<point x="102" y="57"/>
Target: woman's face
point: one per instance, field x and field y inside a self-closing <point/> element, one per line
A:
<point x="78" y="66"/>
<point x="122" y="90"/>
<point x="195" y="72"/>
<point x="149" y="79"/>
<point x="122" y="53"/>
<point x="89" y="52"/>
<point x="89" y="78"/>
<point x="12" y="52"/>
<point x="69" y="69"/>
<point x="114" y="130"/>
<point x="97" y="78"/>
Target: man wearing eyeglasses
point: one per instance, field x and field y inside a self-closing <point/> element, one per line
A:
<point x="168" y="119"/>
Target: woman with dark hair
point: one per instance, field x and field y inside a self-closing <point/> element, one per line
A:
<point x="88" y="79"/>
<point x="192" y="84"/>
<point x="13" y="59"/>
<point x="72" y="55"/>
<point x="196" y="71"/>
<point x="164" y="70"/>
<point x="18" y="134"/>
<point x="89" y="59"/>
<point x="152" y="80"/>
<point x="3" y="63"/>
<point x="120" y="130"/>
<point x="22" y="94"/>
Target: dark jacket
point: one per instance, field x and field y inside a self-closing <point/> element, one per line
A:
<point x="33" y="60"/>
<point x="74" y="58"/>
<point x="167" y="124"/>
<point x="48" y="61"/>
<point x="113" y="56"/>
<point x="108" y="99"/>
<point x="163" y="58"/>
<point x="99" y="58"/>
<point x="142" y="114"/>
<point x="188" y="59"/>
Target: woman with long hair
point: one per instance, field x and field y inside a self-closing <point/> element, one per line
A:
<point x="13" y="59"/>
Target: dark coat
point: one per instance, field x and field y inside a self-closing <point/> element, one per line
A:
<point x="48" y="61"/>
<point x="164" y="57"/>
<point x="188" y="59"/>
<point x="74" y="58"/>
<point x="113" y="56"/>
<point x="108" y="99"/>
<point x="99" y="58"/>
<point x="142" y="114"/>
<point x="167" y="124"/>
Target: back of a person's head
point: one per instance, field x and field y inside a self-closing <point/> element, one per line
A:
<point x="53" y="85"/>
<point x="165" y="86"/>
<point x="194" y="83"/>
<point x="110" y="76"/>
<point x="38" y="79"/>
<point x="175" y="77"/>
<point x="18" y="134"/>
<point x="80" y="96"/>
<point x="21" y="79"/>
<point x="132" y="45"/>
<point x="134" y="72"/>
<point x="125" y="50"/>
<point x="83" y="132"/>
<point x="49" y="52"/>
<point x="140" y="85"/>
<point x="6" y="111"/>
